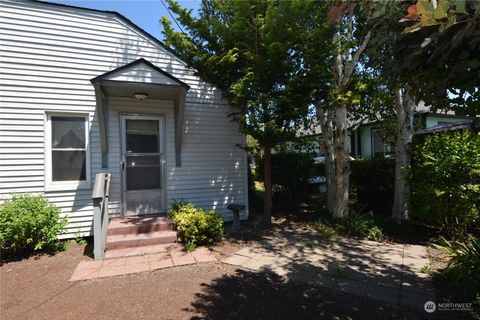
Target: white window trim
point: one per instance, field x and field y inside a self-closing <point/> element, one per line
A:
<point x="65" y="185"/>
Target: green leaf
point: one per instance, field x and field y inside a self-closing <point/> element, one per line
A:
<point x="460" y="6"/>
<point x="441" y="9"/>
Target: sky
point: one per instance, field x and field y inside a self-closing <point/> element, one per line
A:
<point x="144" y="13"/>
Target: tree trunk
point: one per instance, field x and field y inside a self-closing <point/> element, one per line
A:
<point x="328" y="146"/>
<point x="267" y="173"/>
<point x="342" y="165"/>
<point x="330" y="181"/>
<point x="404" y="108"/>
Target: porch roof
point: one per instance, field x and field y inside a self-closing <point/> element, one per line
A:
<point x="140" y="76"/>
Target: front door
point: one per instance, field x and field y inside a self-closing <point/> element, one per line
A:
<point x="142" y="165"/>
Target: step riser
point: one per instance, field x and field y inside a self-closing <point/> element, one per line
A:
<point x="140" y="242"/>
<point x="141" y="229"/>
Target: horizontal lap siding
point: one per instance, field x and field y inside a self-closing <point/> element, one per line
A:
<point x="47" y="58"/>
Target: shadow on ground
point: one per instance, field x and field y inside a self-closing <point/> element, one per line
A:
<point x="250" y="295"/>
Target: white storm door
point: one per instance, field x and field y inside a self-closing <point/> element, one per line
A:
<point x="142" y="165"/>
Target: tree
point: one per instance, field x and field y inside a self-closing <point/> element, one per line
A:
<point x="404" y="111"/>
<point x="314" y="52"/>
<point x="351" y="38"/>
<point x="440" y="46"/>
<point x="363" y="93"/>
<point x="245" y="49"/>
<point x="382" y="58"/>
<point x="432" y="56"/>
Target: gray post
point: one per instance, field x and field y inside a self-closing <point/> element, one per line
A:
<point x="97" y="229"/>
<point x="100" y="195"/>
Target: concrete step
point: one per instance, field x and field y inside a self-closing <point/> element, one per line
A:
<point x="119" y="241"/>
<point x="139" y="224"/>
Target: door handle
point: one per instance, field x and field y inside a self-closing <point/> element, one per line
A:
<point x="123" y="165"/>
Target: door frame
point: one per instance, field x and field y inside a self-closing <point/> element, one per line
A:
<point x="163" y="152"/>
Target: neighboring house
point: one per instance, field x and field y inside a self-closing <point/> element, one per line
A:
<point x="368" y="140"/>
<point x="450" y="127"/>
<point x="86" y="91"/>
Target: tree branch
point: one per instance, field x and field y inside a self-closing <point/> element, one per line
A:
<point x="350" y="66"/>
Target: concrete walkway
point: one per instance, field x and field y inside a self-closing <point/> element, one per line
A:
<point x="380" y="271"/>
<point x="171" y="255"/>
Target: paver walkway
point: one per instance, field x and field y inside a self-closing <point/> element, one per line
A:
<point x="380" y="271"/>
<point x="165" y="256"/>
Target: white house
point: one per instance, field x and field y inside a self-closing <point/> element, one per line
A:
<point x="86" y="91"/>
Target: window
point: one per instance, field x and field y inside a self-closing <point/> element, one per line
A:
<point x="378" y="144"/>
<point x="67" y="158"/>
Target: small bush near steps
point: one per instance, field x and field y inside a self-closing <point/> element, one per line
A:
<point x="196" y="227"/>
<point x="29" y="223"/>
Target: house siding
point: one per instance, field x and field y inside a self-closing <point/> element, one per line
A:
<point x="48" y="55"/>
<point x="365" y="131"/>
<point x="435" y="121"/>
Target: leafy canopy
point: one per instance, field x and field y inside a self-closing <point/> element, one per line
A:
<point x="247" y="49"/>
<point x="441" y="47"/>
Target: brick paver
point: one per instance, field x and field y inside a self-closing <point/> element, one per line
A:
<point x="164" y="257"/>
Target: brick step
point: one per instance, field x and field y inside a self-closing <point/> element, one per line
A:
<point x="119" y="241"/>
<point x="139" y="224"/>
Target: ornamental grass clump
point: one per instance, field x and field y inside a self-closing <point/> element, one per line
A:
<point x="195" y="226"/>
<point x="464" y="264"/>
<point x="29" y="223"/>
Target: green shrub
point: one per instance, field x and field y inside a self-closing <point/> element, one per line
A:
<point x="359" y="226"/>
<point x="372" y="180"/>
<point x="445" y="180"/>
<point x="29" y="223"/>
<point x="464" y="264"/>
<point x="195" y="226"/>
<point x="290" y="174"/>
<point x="176" y="206"/>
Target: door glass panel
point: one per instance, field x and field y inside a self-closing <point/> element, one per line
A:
<point x="143" y="177"/>
<point x="142" y="136"/>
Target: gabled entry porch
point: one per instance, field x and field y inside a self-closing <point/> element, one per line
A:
<point x="139" y="109"/>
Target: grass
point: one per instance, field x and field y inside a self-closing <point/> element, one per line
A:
<point x="326" y="230"/>
<point x="363" y="226"/>
<point x="426" y="269"/>
<point x="79" y="239"/>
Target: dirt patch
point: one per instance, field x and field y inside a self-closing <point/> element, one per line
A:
<point x="38" y="288"/>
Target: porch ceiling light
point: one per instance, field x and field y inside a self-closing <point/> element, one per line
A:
<point x="140" y="96"/>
